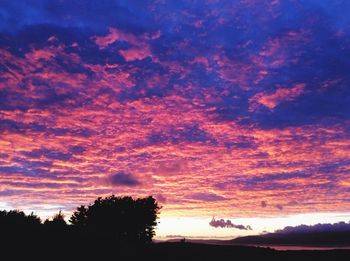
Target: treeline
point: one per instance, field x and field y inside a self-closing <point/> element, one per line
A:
<point x="110" y="221"/>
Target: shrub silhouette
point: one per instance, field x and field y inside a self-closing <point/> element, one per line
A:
<point x="121" y="219"/>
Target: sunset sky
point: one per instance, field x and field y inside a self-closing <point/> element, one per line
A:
<point x="237" y="110"/>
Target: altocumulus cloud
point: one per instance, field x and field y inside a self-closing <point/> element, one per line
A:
<point x="227" y="224"/>
<point x="124" y="179"/>
<point x="81" y="96"/>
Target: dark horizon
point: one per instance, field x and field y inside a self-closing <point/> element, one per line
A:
<point x="123" y="228"/>
<point x="111" y="215"/>
<point x="233" y="114"/>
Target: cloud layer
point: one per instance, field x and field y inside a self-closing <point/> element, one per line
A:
<point x="237" y="107"/>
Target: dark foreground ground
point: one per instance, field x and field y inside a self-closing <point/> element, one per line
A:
<point x="159" y="251"/>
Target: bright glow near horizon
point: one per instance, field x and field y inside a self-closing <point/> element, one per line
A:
<point x="198" y="228"/>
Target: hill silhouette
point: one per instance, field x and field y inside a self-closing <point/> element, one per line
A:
<point x="337" y="234"/>
<point x="298" y="239"/>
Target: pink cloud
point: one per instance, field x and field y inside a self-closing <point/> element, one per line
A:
<point x="273" y="99"/>
<point x="201" y="60"/>
<point x="140" y="48"/>
<point x="121" y="131"/>
<point x="44" y="54"/>
<point x="104" y="41"/>
<point x="137" y="53"/>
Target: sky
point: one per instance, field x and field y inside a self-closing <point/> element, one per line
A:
<point x="233" y="114"/>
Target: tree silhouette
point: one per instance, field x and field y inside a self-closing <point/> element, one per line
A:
<point x="122" y="219"/>
<point x="79" y="218"/>
<point x="57" y="222"/>
<point x="110" y="226"/>
<point x="16" y="226"/>
<point x="57" y="228"/>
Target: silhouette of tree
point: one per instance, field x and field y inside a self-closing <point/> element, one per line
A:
<point x="57" y="222"/>
<point x="16" y="218"/>
<point x="16" y="226"/>
<point x="122" y="219"/>
<point x="109" y="226"/>
<point x="79" y="217"/>
<point x="57" y="228"/>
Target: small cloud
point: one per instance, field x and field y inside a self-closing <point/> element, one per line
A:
<point x="274" y="99"/>
<point x="77" y="149"/>
<point x="160" y="198"/>
<point x="139" y="49"/>
<point x="124" y="179"/>
<point x="203" y="196"/>
<point x="104" y="41"/>
<point x="227" y="224"/>
<point x="263" y="204"/>
<point x="174" y="167"/>
<point x="293" y="203"/>
<point x="279" y="206"/>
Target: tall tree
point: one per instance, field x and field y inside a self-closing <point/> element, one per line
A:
<point x="119" y="218"/>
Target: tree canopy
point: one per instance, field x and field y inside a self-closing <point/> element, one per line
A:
<point x="120" y="220"/>
<point x="123" y="219"/>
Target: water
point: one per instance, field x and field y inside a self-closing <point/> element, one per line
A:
<point x="305" y="247"/>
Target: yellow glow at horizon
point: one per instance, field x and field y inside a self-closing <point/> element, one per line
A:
<point x="191" y="227"/>
<point x="199" y="228"/>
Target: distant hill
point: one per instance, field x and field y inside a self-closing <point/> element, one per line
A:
<point x="296" y="238"/>
<point x="321" y="238"/>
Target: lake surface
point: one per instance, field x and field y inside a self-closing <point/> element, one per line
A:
<point x="305" y="247"/>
